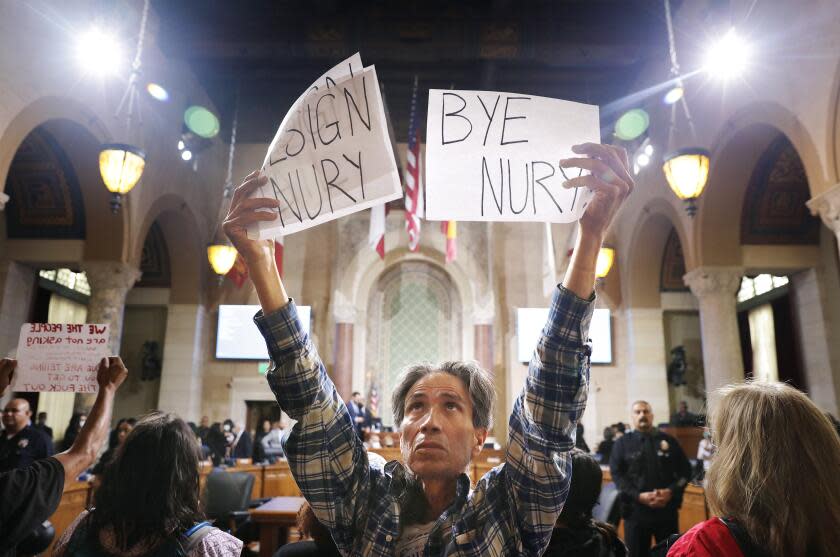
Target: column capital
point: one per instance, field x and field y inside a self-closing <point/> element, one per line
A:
<point x="706" y="281"/>
<point x="110" y="275"/>
<point x="827" y="206"/>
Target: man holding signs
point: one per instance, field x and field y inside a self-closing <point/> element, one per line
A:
<point x="425" y="505"/>
<point x="30" y="494"/>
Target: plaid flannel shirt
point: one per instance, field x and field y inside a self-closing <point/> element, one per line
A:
<point x="512" y="509"/>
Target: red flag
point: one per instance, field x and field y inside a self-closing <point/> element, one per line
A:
<point x="412" y="177"/>
<point x="451" y="234"/>
<point x="239" y="272"/>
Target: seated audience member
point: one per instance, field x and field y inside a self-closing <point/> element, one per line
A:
<point x="262" y="430"/>
<point x="20" y="443"/>
<point x="605" y="447"/>
<point x="576" y="533"/>
<point x="204" y="428"/>
<point x="148" y="502"/>
<point x="580" y="442"/>
<point x="319" y="542"/>
<point x="216" y="443"/>
<point x="77" y="422"/>
<point x="41" y="423"/>
<point x="117" y="438"/>
<point x="705" y="453"/>
<point x="242" y="446"/>
<point x="271" y="443"/>
<point x="425" y="504"/>
<point x="682" y="417"/>
<point x="31" y="495"/>
<point x="773" y="484"/>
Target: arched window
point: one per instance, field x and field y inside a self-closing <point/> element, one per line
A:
<point x="414" y="316"/>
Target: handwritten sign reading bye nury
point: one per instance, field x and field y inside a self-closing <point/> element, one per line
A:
<point x="60" y="357"/>
<point x="332" y="155"/>
<point x="495" y="156"/>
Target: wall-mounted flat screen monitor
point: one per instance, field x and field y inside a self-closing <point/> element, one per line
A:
<point x="237" y="337"/>
<point x="530" y="322"/>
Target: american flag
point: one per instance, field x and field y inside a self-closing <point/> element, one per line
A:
<point x="413" y="189"/>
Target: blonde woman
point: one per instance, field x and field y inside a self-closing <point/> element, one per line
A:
<point x="774" y="484"/>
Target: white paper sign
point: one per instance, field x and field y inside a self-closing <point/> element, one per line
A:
<point x="60" y="357"/>
<point x="495" y="156"/>
<point x="332" y="155"/>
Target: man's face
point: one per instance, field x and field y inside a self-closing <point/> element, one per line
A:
<point x="205" y="421"/>
<point x="16" y="415"/>
<point x="438" y="438"/>
<point x="683" y="407"/>
<point x="642" y="416"/>
<point x="358" y="399"/>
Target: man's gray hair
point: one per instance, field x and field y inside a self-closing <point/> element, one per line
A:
<point x="475" y="378"/>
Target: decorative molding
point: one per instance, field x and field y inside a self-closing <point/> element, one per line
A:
<point x="343" y="309"/>
<point x="827" y="206"/>
<point x="773" y="211"/>
<point x="710" y="281"/>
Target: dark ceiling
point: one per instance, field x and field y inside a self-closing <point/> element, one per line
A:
<point x="581" y="50"/>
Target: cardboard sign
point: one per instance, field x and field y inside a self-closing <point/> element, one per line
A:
<point x="495" y="156"/>
<point x="332" y="155"/>
<point x="60" y="357"/>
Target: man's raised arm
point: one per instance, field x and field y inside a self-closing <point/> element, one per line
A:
<point x="542" y="424"/>
<point x="326" y="458"/>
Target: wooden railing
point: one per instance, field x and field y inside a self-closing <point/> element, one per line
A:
<point x="275" y="480"/>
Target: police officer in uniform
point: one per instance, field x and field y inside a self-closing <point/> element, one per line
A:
<point x="21" y="444"/>
<point x="651" y="472"/>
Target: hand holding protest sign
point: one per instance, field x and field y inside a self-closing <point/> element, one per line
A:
<point x="332" y="155"/>
<point x="60" y="357"/>
<point x="496" y="156"/>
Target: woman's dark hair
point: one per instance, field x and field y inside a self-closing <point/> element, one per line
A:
<point x="583" y="491"/>
<point x="150" y="490"/>
<point x="609" y="434"/>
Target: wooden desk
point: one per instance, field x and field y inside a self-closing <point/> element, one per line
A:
<point x="74" y="500"/>
<point x="274" y="520"/>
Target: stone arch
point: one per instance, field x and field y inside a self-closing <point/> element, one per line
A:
<point x="643" y="265"/>
<point x="735" y="153"/>
<point x="79" y="133"/>
<point x="428" y="290"/>
<point x="185" y="244"/>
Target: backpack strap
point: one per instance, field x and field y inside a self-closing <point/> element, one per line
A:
<point x="742" y="538"/>
<point x="192" y="537"/>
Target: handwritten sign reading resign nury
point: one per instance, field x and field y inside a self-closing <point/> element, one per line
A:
<point x="332" y="155"/>
<point x="60" y="357"/>
<point x="496" y="156"/>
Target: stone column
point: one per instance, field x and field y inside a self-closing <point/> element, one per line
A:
<point x="715" y="289"/>
<point x="17" y="285"/>
<point x="342" y="374"/>
<point x="647" y="370"/>
<point x="827" y="206"/>
<point x="345" y="317"/>
<point x="483" y="342"/>
<point x="110" y="282"/>
<point x="184" y="347"/>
